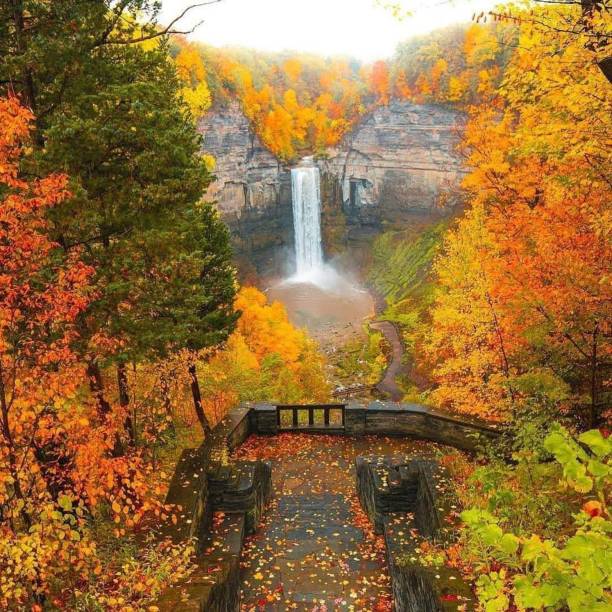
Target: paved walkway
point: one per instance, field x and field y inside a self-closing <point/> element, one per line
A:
<point x="316" y="550"/>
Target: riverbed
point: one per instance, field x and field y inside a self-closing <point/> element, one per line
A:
<point x="333" y="313"/>
<point x="336" y="312"/>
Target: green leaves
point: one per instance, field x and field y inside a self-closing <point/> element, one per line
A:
<point x="577" y="574"/>
<point x="491" y="592"/>
<point x="583" y="470"/>
<point x="509" y="543"/>
<point x="529" y="594"/>
<point x="600" y="446"/>
<point x="65" y="503"/>
<point x="554" y="573"/>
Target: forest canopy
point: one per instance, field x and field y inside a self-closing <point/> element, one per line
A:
<point x="304" y="104"/>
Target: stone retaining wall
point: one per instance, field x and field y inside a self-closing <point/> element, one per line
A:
<point x="394" y="419"/>
<point x="205" y="482"/>
<point x="399" y="495"/>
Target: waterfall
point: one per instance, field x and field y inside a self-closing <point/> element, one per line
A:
<point x="306" y="195"/>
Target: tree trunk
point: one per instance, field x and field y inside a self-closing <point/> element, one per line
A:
<point x="28" y="87"/>
<point x="594" y="416"/>
<point x="165" y="393"/>
<point x="10" y="445"/>
<point x="96" y="386"/>
<point x="197" y="399"/>
<point x="124" y="402"/>
<point x="504" y="356"/>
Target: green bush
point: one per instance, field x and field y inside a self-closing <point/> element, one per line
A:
<point x="571" y="568"/>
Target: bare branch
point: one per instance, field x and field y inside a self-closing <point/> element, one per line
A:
<point x="169" y="29"/>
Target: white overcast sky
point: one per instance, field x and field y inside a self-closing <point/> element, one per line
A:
<point x="359" y="28"/>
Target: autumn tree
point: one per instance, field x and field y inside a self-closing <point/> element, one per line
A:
<point x="288" y="365"/>
<point x="42" y="292"/>
<point x="192" y="76"/>
<point x="116" y="123"/>
<point x="296" y="104"/>
<point x="379" y="82"/>
<point x="293" y="69"/>
<point x="524" y="283"/>
<point x="449" y="65"/>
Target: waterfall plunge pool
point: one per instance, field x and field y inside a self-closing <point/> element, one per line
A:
<point x="331" y="306"/>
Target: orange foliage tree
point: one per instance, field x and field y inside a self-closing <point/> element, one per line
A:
<point x="192" y="75"/>
<point x="453" y="65"/>
<point x="380" y="84"/>
<point x="265" y="359"/>
<point x="57" y="466"/>
<point x="304" y="104"/>
<point x="524" y="301"/>
<point x="41" y="298"/>
<point x="296" y="105"/>
<point x="41" y="295"/>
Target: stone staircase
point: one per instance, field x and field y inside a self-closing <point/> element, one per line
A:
<point x="407" y="501"/>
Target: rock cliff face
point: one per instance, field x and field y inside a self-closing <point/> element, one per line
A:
<point x="397" y="163"/>
<point x="252" y="190"/>
<point x="390" y="171"/>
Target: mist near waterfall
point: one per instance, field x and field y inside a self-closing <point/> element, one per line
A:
<point x="316" y="294"/>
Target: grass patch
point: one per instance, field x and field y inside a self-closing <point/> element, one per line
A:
<point x="362" y="360"/>
<point x="400" y="271"/>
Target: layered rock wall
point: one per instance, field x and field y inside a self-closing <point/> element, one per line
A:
<point x="397" y="162"/>
<point x="252" y="190"/>
<point x="397" y="167"/>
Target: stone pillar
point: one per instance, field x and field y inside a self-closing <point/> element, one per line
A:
<point x="265" y="419"/>
<point x="355" y="419"/>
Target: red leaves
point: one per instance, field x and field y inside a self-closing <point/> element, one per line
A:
<point x="449" y="597"/>
<point x="36" y="292"/>
<point x="384" y="604"/>
<point x="42" y="425"/>
<point x="593" y="508"/>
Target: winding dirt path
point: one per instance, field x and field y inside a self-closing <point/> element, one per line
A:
<point x="388" y="383"/>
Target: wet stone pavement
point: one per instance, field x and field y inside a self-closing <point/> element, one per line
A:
<point x="315" y="549"/>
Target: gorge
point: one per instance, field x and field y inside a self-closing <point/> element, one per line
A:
<point x="284" y="327"/>
<point x="305" y="232"/>
<point x="396" y="168"/>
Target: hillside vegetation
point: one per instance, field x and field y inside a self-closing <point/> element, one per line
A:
<point x="303" y="104"/>
<point x="401" y="272"/>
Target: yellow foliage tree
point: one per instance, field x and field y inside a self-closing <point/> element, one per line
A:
<point x="191" y="72"/>
<point x="525" y="283"/>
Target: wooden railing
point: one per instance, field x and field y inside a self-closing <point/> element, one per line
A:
<point x="315" y="417"/>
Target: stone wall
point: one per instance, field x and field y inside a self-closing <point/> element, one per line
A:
<point x="423" y="422"/>
<point x="214" y="585"/>
<point x="204" y="483"/>
<point x="406" y="501"/>
<point x="394" y="419"/>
